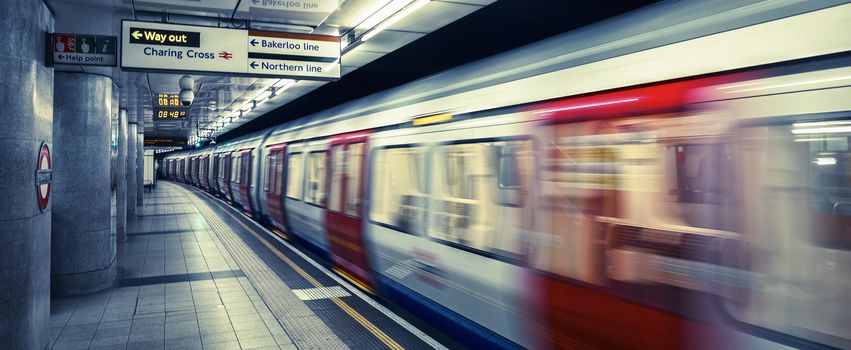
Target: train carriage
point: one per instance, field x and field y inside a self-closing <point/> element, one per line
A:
<point x="616" y="190"/>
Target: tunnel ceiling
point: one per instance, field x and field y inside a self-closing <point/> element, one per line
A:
<point x="218" y="97"/>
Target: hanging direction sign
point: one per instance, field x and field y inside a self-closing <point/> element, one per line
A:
<point x="195" y="49"/>
<point x="175" y="47"/>
<point x="82" y="49"/>
<point x="293" y="54"/>
<point x="308" y="12"/>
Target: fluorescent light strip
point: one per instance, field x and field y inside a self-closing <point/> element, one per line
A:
<point x="825" y="123"/>
<point x="829" y="130"/>
<point x="282" y="82"/>
<point x="285" y="86"/>
<point x="262" y="97"/>
<point x="587" y="105"/>
<point x="382" y="13"/>
<point x="393" y="19"/>
<point x="825" y="161"/>
<point x="797" y="83"/>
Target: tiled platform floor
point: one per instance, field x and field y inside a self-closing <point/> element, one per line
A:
<point x="179" y="288"/>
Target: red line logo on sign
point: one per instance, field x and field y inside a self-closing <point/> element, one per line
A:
<point x="43" y="177"/>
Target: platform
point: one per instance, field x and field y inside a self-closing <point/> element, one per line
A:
<point x="197" y="274"/>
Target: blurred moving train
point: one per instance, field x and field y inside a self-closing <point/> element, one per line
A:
<point x="677" y="177"/>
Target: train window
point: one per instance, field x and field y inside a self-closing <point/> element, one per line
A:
<point x="483" y="188"/>
<point x="295" y="172"/>
<point x="235" y="162"/>
<point x="315" y="191"/>
<point x="279" y="172"/>
<point x="354" y="160"/>
<point x="246" y="167"/>
<point x="270" y="158"/>
<point x="459" y="181"/>
<point x="515" y="171"/>
<point x="337" y="173"/>
<point x="399" y="188"/>
<point x="700" y="173"/>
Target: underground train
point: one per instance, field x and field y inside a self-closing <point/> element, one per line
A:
<point x="672" y="178"/>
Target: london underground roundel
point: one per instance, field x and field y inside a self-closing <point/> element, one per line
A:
<point x="43" y="177"/>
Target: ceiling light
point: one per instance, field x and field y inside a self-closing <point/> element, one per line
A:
<point x="825" y="161"/>
<point x="382" y="13"/>
<point x="262" y="97"/>
<point x="285" y="86"/>
<point x="828" y="130"/>
<point x="282" y="82"/>
<point x="598" y="104"/>
<point x="393" y="18"/>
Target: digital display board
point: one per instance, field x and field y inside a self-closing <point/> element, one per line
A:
<point x="165" y="142"/>
<point x="170" y="113"/>
<point x="168" y="101"/>
<point x="167" y="106"/>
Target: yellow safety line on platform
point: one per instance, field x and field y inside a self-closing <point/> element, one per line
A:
<point x="392" y="344"/>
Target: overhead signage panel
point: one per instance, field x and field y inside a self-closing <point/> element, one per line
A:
<point x="194" y="49"/>
<point x="164" y="37"/>
<point x="294" y="68"/>
<point x="83" y="49"/>
<point x="321" y="6"/>
<point x="308" y="12"/>
<point x="171" y="47"/>
<point x="294" y="44"/>
<point x="176" y="142"/>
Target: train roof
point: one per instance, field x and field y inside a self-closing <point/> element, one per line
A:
<point x="641" y="30"/>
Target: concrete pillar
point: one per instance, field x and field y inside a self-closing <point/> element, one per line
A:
<point x="131" y="166"/>
<point x="140" y="162"/>
<point x="83" y="250"/>
<point x="26" y="94"/>
<point x="121" y="178"/>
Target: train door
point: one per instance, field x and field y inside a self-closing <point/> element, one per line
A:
<point x="192" y="171"/>
<point x="226" y="175"/>
<point x="182" y="170"/>
<point x="344" y="215"/>
<point x="214" y="174"/>
<point x="245" y="180"/>
<point x="195" y="171"/>
<point x="273" y="186"/>
<point x="199" y="172"/>
<point x="205" y="172"/>
<point x="202" y="171"/>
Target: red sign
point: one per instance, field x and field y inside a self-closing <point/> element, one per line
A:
<point x="43" y="177"/>
<point x="65" y="43"/>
